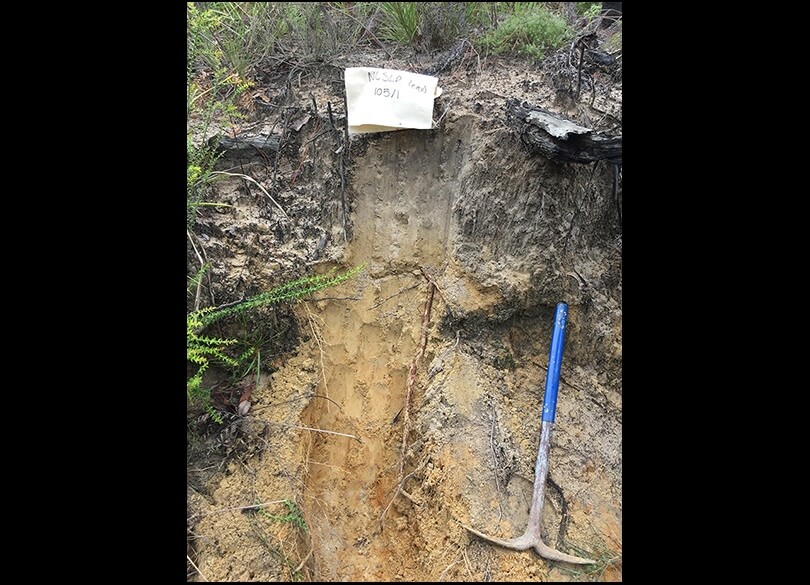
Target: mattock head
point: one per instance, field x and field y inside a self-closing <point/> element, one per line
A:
<point x="529" y="540"/>
<point x="554" y="555"/>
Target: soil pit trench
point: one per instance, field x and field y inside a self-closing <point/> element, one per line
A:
<point x="487" y="222"/>
<point x="401" y="223"/>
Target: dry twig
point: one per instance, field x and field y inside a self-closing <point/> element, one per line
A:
<point x="399" y="489"/>
<point x="388" y="298"/>
<point x="451" y="565"/>
<point x="252" y="180"/>
<point x="202" y="267"/>
<point x="317" y="337"/>
<point x="304" y="561"/>
<point x="196" y="568"/>
<point x="317" y="430"/>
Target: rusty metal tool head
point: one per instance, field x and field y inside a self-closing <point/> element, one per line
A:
<point x="531" y="538"/>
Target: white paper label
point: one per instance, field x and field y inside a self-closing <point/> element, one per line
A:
<point x="382" y="100"/>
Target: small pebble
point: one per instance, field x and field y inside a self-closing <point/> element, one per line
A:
<point x="244" y="407"/>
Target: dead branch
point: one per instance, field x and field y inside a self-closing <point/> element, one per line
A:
<point x="245" y="145"/>
<point x="340" y="151"/>
<point x="235" y="509"/>
<point x="558" y="139"/>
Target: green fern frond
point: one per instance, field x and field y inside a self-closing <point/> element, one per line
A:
<point x="196" y="357"/>
<point x="215" y="341"/>
<point x="204" y="354"/>
<point x="288" y="292"/>
<point x="248" y="353"/>
<point x="194" y="320"/>
<point x="194" y="384"/>
<point x="203" y="350"/>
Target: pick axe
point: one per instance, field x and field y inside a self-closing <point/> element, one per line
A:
<point x="531" y="538"/>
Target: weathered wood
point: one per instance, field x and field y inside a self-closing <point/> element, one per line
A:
<point x="244" y="145"/>
<point x="558" y="139"/>
<point x="612" y="11"/>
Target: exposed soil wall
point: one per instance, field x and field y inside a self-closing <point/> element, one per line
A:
<point x="504" y="236"/>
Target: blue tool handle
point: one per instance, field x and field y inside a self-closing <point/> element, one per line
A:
<point x="554" y="362"/>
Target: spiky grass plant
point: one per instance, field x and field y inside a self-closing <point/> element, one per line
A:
<point x="400" y="21"/>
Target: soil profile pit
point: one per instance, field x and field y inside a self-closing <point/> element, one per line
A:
<point x="401" y="224"/>
<point x="495" y="229"/>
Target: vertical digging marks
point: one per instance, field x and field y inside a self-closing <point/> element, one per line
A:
<point x="360" y="355"/>
<point x="368" y="354"/>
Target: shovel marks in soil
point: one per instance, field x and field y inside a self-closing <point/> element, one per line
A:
<point x="366" y="367"/>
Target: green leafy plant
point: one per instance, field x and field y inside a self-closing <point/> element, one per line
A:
<point x="482" y="14"/>
<point x="531" y="30"/>
<point x="200" y="163"/>
<point x="216" y="79"/>
<point x="204" y="350"/>
<point x="316" y="31"/>
<point x="218" y="62"/>
<point x="589" y="9"/>
<point x="247" y="34"/>
<point x="194" y="282"/>
<point x="293" y="516"/>
<point x="289" y="291"/>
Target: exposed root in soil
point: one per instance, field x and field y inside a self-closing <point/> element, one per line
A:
<point x="318" y="339"/>
<point x="313" y="429"/>
<point x="495" y="465"/>
<point x="388" y="298"/>
<point x="304" y="561"/>
<point x="196" y="568"/>
<point x="406" y="424"/>
<point x="562" y="531"/>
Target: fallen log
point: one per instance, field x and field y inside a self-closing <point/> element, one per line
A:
<point x="558" y="139"/>
<point x="244" y="145"/>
